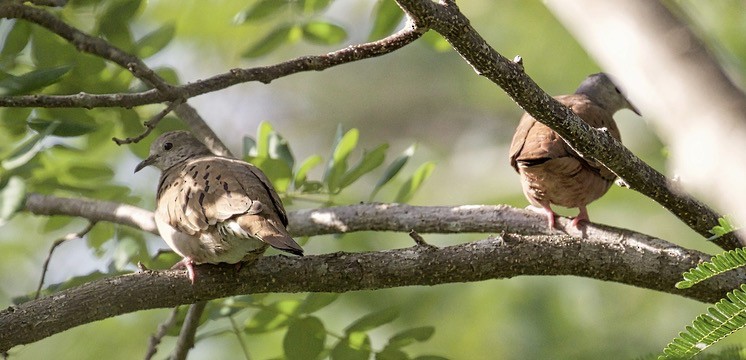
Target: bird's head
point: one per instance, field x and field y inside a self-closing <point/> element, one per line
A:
<point x="602" y="90"/>
<point x="172" y="148"/>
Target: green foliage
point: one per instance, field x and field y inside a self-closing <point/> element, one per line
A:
<point x="386" y="17"/>
<point x="719" y="264"/>
<point x="304" y="24"/>
<point x="306" y="336"/>
<point x="271" y="153"/>
<point x="726" y="226"/>
<point x="30" y="81"/>
<point x="726" y="317"/>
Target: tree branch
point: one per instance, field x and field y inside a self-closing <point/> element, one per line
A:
<point x="635" y="260"/>
<point x="447" y="20"/>
<point x="697" y="110"/>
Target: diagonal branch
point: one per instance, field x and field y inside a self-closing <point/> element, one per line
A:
<point x="447" y="20"/>
<point x="635" y="260"/>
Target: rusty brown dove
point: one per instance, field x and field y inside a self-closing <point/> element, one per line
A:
<point x="551" y="171"/>
<point x="213" y="209"/>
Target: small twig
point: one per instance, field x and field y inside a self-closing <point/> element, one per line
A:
<point x="150" y="124"/>
<point x="237" y="332"/>
<point x="163" y="327"/>
<point x="419" y="240"/>
<point x="55" y="244"/>
<point x="186" y="337"/>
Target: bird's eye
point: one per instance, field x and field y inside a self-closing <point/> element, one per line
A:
<point x="617" y="90"/>
<point x="168" y="146"/>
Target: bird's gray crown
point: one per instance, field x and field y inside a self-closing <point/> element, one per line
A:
<point x="174" y="147"/>
<point x="602" y="90"/>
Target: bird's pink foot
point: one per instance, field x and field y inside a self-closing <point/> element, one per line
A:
<point x="189" y="265"/>
<point x="546" y="210"/>
<point x="582" y="217"/>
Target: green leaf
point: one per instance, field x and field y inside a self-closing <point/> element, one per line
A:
<point x="44" y="43"/>
<point x="155" y="41"/>
<point x="373" y="320"/>
<point x="101" y="233"/>
<point x="302" y="173"/>
<point x="719" y="264"/>
<point x="65" y="127"/>
<point x="17" y="38"/>
<point x="279" y="36"/>
<point x="369" y="162"/>
<point x="115" y="20"/>
<point x="317" y="301"/>
<point x="304" y="339"/>
<point x="354" y="346"/>
<point x="13" y="121"/>
<point x="259" y="10"/>
<point x="388" y="15"/>
<point x="12" y="197"/>
<point x="392" y="354"/>
<point x="393" y="169"/>
<point x="411" y="186"/>
<point x="410" y="336"/>
<point x="726" y="226"/>
<point x="313" y="6"/>
<point x="436" y="42"/>
<point x="338" y="162"/>
<point x="28" y="149"/>
<point x="274" y="316"/>
<point x="23" y="84"/>
<point x="230" y="306"/>
<point x="324" y="33"/>
<point x="278" y="171"/>
<point x="726" y="317"/>
<point x="91" y="171"/>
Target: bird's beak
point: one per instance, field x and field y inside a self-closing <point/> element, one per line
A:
<point x="145" y="163"/>
<point x="633" y="108"/>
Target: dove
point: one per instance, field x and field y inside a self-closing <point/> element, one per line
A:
<point x="551" y="171"/>
<point x="213" y="209"/>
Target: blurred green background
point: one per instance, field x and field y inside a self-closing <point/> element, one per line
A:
<point x="419" y="95"/>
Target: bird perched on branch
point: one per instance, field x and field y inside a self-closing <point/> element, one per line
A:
<point x="213" y="209"/>
<point x="551" y="171"/>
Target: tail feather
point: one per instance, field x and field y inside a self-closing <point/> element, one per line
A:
<point x="268" y="231"/>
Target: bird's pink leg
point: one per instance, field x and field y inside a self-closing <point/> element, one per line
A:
<point x="582" y="216"/>
<point x="188" y="263"/>
<point x="546" y="210"/>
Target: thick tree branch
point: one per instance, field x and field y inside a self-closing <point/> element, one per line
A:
<point x="639" y="261"/>
<point x="446" y="19"/>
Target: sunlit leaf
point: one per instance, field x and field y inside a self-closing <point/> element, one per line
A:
<point x="411" y="186"/>
<point x="155" y="41"/>
<point x="436" y="42"/>
<point x="274" y="316"/>
<point x="37" y="79"/>
<point x="373" y="320"/>
<point x="338" y="161"/>
<point x="304" y="339"/>
<point x="391" y="354"/>
<point x="324" y="33"/>
<point x="370" y="161"/>
<point x="272" y="41"/>
<point x="387" y="17"/>
<point x="12" y="197"/>
<point x="278" y="171"/>
<point x="317" y="301"/>
<point x="259" y="10"/>
<point x="305" y="167"/>
<point x="354" y="346"/>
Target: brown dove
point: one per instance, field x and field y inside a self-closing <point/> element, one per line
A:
<point x="551" y="171"/>
<point x="213" y="209"/>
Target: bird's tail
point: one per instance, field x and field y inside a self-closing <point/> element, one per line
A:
<point x="270" y="232"/>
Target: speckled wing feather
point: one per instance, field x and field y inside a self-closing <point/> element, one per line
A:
<point x="211" y="190"/>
